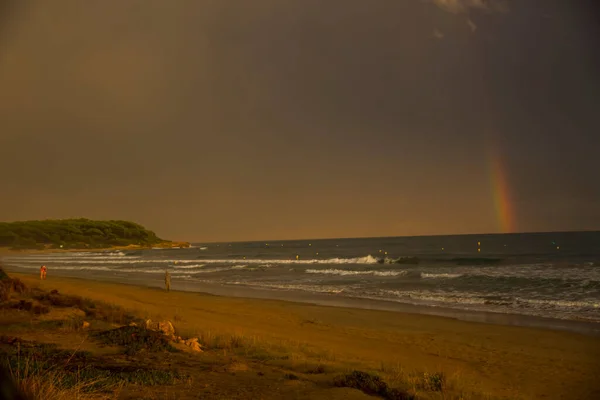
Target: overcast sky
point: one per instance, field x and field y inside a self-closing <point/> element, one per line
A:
<point x="280" y="119"/>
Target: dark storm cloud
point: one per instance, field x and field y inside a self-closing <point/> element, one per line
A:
<point x="463" y="6"/>
<point x="271" y="119"/>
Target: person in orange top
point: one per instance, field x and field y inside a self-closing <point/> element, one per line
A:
<point x="43" y="272"/>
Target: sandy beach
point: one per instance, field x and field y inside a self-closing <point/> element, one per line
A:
<point x="493" y="360"/>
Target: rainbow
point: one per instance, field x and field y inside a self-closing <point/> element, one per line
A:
<point x="501" y="194"/>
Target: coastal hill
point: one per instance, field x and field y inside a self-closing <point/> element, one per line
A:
<point x="78" y="233"/>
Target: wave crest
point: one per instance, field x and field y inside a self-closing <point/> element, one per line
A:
<point x="343" y="272"/>
<point x="425" y="275"/>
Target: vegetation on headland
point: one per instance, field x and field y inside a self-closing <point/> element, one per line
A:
<point x="78" y="233"/>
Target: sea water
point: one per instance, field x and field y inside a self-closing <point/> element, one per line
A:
<point x="554" y="275"/>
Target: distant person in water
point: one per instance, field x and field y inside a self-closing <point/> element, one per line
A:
<point x="43" y="272"/>
<point x="167" y="280"/>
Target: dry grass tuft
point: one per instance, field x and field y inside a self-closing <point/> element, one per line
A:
<point x="49" y="387"/>
<point x="49" y="383"/>
<point x="9" y="285"/>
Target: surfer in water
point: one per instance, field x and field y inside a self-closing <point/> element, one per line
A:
<point x="167" y="280"/>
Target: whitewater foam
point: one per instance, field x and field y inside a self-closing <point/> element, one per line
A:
<point x="566" y="304"/>
<point x="357" y="260"/>
<point x="180" y="269"/>
<point x="352" y="272"/>
<point x="439" y="276"/>
<point x="137" y="260"/>
<point x="433" y="296"/>
<point x="288" y="286"/>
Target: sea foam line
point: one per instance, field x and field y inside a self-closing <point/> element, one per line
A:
<point x="127" y="260"/>
<point x="352" y="272"/>
<point x="425" y="275"/>
<point x="188" y="269"/>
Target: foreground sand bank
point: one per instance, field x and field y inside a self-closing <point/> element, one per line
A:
<point x="506" y="361"/>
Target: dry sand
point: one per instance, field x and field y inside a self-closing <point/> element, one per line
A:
<point x="502" y="361"/>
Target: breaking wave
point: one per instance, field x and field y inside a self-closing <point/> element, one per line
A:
<point x="136" y="260"/>
<point x="351" y="272"/>
<point x="425" y="275"/>
<point x="289" y="286"/>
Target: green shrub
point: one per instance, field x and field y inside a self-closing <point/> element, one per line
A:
<point x="135" y="339"/>
<point x="371" y="385"/>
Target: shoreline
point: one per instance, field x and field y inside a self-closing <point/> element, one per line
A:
<point x="588" y="328"/>
<point x="162" y="245"/>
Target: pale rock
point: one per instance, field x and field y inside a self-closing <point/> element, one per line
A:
<point x="193" y="344"/>
<point x="165" y="327"/>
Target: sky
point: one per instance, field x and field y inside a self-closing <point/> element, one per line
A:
<point x="214" y="120"/>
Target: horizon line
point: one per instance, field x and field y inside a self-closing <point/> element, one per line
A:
<point x="391" y="237"/>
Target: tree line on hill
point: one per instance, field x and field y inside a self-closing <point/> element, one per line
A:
<point x="74" y="234"/>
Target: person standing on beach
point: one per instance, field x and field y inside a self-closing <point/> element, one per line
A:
<point x="43" y="272"/>
<point x="167" y="280"/>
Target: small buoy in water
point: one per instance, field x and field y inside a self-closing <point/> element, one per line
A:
<point x="244" y="257"/>
<point x="557" y="247"/>
<point x="385" y="253"/>
<point x="317" y="253"/>
<point x="478" y="250"/>
<point x="310" y="244"/>
<point x="380" y="251"/>
<point x="297" y="256"/>
<point x="478" y="243"/>
<point x="442" y="249"/>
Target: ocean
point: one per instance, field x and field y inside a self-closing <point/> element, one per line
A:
<point x="553" y="275"/>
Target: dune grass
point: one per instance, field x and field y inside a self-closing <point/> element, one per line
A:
<point x="43" y="371"/>
<point x="135" y="339"/>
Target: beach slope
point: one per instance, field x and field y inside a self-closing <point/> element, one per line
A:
<point x="476" y="360"/>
